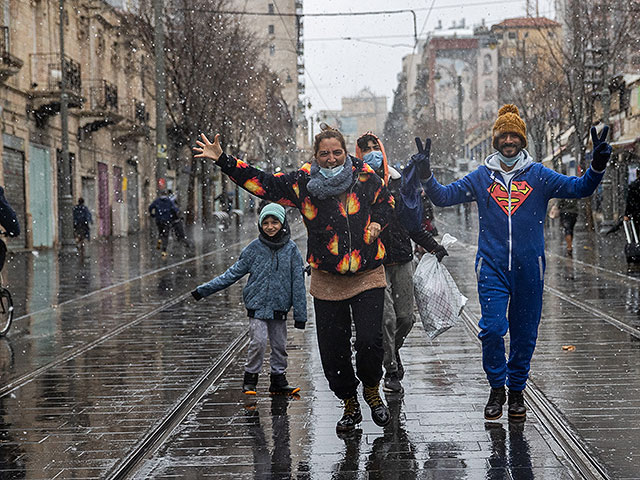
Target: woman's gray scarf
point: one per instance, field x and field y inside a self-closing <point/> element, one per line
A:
<point x="323" y="188"/>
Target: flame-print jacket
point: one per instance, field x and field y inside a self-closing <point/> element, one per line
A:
<point x="338" y="238"/>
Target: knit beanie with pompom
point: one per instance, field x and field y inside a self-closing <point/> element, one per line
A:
<point x="509" y="121"/>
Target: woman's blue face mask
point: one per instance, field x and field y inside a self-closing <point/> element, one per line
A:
<point x="331" y="172"/>
<point x="373" y="159"/>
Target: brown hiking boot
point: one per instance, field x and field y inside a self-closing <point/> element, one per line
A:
<point x="351" y="417"/>
<point x="379" y="411"/>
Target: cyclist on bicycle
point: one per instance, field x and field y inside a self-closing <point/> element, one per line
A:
<point x="11" y="227"/>
<point x="9" y="222"/>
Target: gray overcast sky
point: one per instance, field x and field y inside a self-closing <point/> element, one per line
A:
<point x="337" y="68"/>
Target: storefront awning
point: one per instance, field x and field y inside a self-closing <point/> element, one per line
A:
<point x="625" y="143"/>
<point x="562" y="142"/>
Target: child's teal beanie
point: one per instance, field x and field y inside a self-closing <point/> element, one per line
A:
<point x="274" y="210"/>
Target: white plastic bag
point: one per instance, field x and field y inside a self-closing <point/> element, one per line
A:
<point x="439" y="301"/>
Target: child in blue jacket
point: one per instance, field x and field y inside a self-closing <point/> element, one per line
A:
<point x="276" y="283"/>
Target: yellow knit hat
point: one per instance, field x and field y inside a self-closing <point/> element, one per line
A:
<point x="509" y="121"/>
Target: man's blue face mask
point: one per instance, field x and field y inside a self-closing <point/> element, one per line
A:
<point x="510" y="161"/>
<point x="373" y="159"/>
<point x="331" y="172"/>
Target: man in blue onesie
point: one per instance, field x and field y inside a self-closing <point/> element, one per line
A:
<point x="512" y="192"/>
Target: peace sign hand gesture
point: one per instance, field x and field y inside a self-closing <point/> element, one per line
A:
<point x="601" y="149"/>
<point x="422" y="158"/>
<point x="206" y="149"/>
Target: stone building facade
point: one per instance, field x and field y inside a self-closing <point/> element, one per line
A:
<point x="279" y="27"/>
<point x="360" y="113"/>
<point x="110" y="87"/>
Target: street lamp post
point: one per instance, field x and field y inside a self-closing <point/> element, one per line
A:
<point x="455" y="71"/>
<point x="460" y="126"/>
<point x="65" y="203"/>
<point x="161" y="126"/>
<point x="608" y="196"/>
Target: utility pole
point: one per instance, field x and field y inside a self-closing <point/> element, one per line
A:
<point x="161" y="126"/>
<point x="65" y="200"/>
<point x="608" y="187"/>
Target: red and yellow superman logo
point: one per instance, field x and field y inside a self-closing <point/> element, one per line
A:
<point x="520" y="191"/>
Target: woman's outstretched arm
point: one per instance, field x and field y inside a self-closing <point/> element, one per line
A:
<point x="280" y="188"/>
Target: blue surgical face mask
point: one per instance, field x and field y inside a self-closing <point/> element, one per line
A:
<point x="510" y="161"/>
<point x="373" y="159"/>
<point x="331" y="172"/>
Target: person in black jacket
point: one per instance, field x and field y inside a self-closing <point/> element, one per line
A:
<point x="398" y="317"/>
<point x="9" y="223"/>
<point x="632" y="209"/>
<point x="165" y="212"/>
<point x="81" y="220"/>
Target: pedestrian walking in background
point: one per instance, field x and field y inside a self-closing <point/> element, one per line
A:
<point x="568" y="209"/>
<point x="344" y="206"/>
<point x="81" y="221"/>
<point x="177" y="224"/>
<point x="275" y="285"/>
<point x="511" y="192"/>
<point x="164" y="211"/>
<point x="398" y="316"/>
<point x="632" y="208"/>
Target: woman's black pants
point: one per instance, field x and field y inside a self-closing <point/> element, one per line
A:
<point x="333" y="325"/>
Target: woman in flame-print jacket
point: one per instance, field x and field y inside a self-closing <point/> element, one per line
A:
<point x="344" y="213"/>
<point x="339" y="239"/>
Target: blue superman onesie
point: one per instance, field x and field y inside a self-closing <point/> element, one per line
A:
<point x="510" y="262"/>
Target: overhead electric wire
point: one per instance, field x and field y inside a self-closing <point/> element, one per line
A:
<point x="335" y="14"/>
<point x="426" y="19"/>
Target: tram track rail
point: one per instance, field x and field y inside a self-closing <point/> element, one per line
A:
<point x="25" y="378"/>
<point x="582" y="461"/>
<point x="617" y="276"/>
<point x="572" y="445"/>
<point x="116" y="285"/>
<point x="157" y="434"/>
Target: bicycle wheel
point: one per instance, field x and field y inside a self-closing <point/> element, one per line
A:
<point x="6" y="311"/>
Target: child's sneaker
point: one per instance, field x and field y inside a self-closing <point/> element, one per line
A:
<point x="159" y="244"/>
<point x="250" y="383"/>
<point x="280" y="386"/>
<point x="164" y="254"/>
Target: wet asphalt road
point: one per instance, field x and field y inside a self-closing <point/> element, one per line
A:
<point x="102" y="359"/>
<point x="437" y="429"/>
<point x="590" y="302"/>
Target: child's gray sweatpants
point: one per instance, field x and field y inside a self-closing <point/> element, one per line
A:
<point x="276" y="332"/>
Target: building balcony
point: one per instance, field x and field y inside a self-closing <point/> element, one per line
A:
<point x="100" y="107"/>
<point x="9" y="64"/>
<point x="135" y="119"/>
<point x="46" y="84"/>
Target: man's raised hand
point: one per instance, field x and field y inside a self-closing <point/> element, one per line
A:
<point x="601" y="149"/>
<point x="422" y="158"/>
<point x="206" y="149"/>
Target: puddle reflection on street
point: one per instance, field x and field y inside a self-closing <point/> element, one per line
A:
<point x="509" y="453"/>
